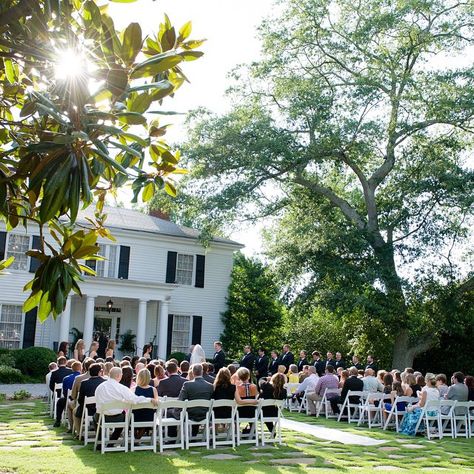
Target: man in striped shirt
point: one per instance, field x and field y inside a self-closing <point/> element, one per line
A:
<point x="328" y="381"/>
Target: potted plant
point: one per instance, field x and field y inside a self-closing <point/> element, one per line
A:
<point x="127" y="343"/>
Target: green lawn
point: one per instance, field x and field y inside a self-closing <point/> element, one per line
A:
<point x="29" y="444"/>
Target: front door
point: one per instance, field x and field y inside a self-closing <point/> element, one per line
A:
<point x="102" y="332"/>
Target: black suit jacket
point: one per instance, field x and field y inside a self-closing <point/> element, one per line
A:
<point x="331" y="362"/>
<point x="373" y="366"/>
<point x="287" y="359"/>
<point x="340" y="363"/>
<point x="248" y="361"/>
<point x="218" y="361"/>
<point x="57" y="376"/>
<point x="358" y="366"/>
<point x="302" y="362"/>
<point x="261" y="366"/>
<point x="352" y="383"/>
<point x="171" y="386"/>
<point x="273" y="369"/>
<point x="88" y="388"/>
<point x="320" y="366"/>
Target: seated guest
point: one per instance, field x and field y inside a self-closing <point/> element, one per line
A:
<point x="126" y="377"/>
<point x="51" y="367"/>
<point x="160" y="374"/>
<point x="138" y="366"/>
<point x="458" y="390"/>
<point x="233" y="374"/>
<point x="304" y="374"/>
<point x="125" y="363"/>
<point x="246" y="391"/>
<point x="94" y="347"/>
<point x="328" y="381"/>
<point x="413" y="413"/>
<point x="68" y="382"/>
<point x="75" y="390"/>
<point x="147" y="349"/>
<point x="272" y="390"/>
<point x="343" y="376"/>
<point x="293" y="375"/>
<point x="309" y="383"/>
<point x="353" y="383"/>
<point x="397" y="376"/>
<point x="469" y="381"/>
<point x="151" y="368"/>
<point x="63" y="349"/>
<point x="274" y="363"/>
<point x="415" y="388"/>
<point x="211" y="370"/>
<point x="397" y="391"/>
<point x="302" y="361"/>
<point x="406" y="379"/>
<point x="134" y="361"/>
<point x="107" y="367"/>
<point x="87" y="389"/>
<point x="371" y="384"/>
<point x="340" y="361"/>
<point x="143" y="389"/>
<point x="112" y="390"/>
<point x="409" y="370"/>
<point x="184" y="368"/>
<point x="282" y="370"/>
<point x="205" y="374"/>
<point x="339" y="371"/>
<point x="380" y="375"/>
<point x="442" y="385"/>
<point x="388" y="383"/>
<point x="171" y="386"/>
<point x="224" y="389"/>
<point x="420" y="381"/>
<point x="58" y="375"/>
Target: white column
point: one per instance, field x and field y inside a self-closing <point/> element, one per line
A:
<point x="142" y="305"/>
<point x="64" y="321"/>
<point x="163" y="335"/>
<point x="89" y="321"/>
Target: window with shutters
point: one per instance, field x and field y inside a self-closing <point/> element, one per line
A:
<point x="109" y="267"/>
<point x="184" y="269"/>
<point x="16" y="247"/>
<point x="181" y="333"/>
<point x="11" y="318"/>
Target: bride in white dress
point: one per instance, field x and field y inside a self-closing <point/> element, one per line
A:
<point x="198" y="355"/>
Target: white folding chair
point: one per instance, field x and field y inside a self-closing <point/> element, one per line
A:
<point x="87" y="422"/>
<point x="371" y="409"/>
<point x="396" y="412"/>
<point x="292" y="404"/>
<point x="446" y="415"/>
<point x="252" y="436"/>
<point x="64" y="417"/>
<point x="461" y="424"/>
<point x="51" y="402"/>
<point x="228" y="437"/>
<point x="104" y="427"/>
<point x="275" y="434"/>
<point x="304" y="402"/>
<point x="58" y="387"/>
<point x="326" y="403"/>
<point x="166" y="409"/>
<point x="189" y="423"/>
<point x="430" y="417"/>
<point x="142" y="443"/>
<point x="352" y="408"/>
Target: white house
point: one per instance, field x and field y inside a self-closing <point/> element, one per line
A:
<point x="163" y="284"/>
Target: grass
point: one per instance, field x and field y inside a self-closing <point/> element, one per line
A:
<point x="49" y="450"/>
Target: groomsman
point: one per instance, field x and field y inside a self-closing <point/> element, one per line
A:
<point x="371" y="364"/>
<point x="287" y="357"/>
<point x="319" y="363"/>
<point x="356" y="363"/>
<point x="330" y="360"/>
<point x="339" y="361"/>
<point x="274" y="363"/>
<point x="218" y="361"/>
<point x="248" y="359"/>
<point x="261" y="364"/>
<point x="302" y="360"/>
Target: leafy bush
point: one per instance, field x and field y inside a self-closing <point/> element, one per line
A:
<point x="179" y="356"/>
<point x="10" y="375"/>
<point x="7" y="360"/>
<point x="127" y="342"/>
<point x="21" y="395"/>
<point x="34" y="361"/>
<point x="3" y="397"/>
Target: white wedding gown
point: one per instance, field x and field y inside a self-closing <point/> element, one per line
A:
<point x="198" y="355"/>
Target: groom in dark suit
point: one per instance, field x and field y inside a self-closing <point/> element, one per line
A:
<point x="218" y="361"/>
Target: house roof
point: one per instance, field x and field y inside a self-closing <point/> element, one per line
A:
<point x="129" y="219"/>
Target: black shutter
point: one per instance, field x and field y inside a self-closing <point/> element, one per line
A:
<point x="124" y="262"/>
<point x="3" y="242"/>
<point x="200" y="269"/>
<point x="170" y="335"/>
<point x="34" y="262"/>
<point x="29" y="329"/>
<point x="91" y="264"/>
<point x="197" y="329"/>
<point x="171" y="267"/>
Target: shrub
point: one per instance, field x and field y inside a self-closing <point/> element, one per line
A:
<point x="179" y="356"/>
<point x="3" y="397"/>
<point x="7" y="360"/>
<point x="21" y="395"/>
<point x="34" y="361"/>
<point x="10" y="375"/>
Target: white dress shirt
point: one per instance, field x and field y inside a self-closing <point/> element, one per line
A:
<point x="309" y="384"/>
<point x="371" y="384"/>
<point x="113" y="391"/>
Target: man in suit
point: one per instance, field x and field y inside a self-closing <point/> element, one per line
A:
<point x="219" y="357"/>
<point x="261" y="364"/>
<point x="184" y="369"/>
<point x="356" y="363"/>
<point x="248" y="359"/>
<point x="58" y="375"/>
<point x="274" y="363"/>
<point x="68" y="382"/>
<point x="197" y="389"/>
<point x="458" y="391"/>
<point x="353" y="383"/>
<point x="330" y="360"/>
<point x="171" y="387"/>
<point x="319" y="363"/>
<point x="371" y="364"/>
<point x="205" y="373"/>
<point x="339" y="361"/>
<point x="287" y="357"/>
<point x="303" y="360"/>
<point x="87" y="389"/>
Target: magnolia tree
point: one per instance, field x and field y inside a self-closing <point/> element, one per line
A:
<point x="77" y="98"/>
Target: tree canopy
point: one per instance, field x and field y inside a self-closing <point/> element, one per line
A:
<point x="354" y="131"/>
<point x="76" y="116"/>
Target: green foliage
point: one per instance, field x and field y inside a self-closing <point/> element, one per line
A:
<point x="179" y="356"/>
<point x="10" y="375"/>
<point x="254" y="313"/>
<point x="3" y="397"/>
<point x="71" y="134"/>
<point x="21" y="395"/>
<point x="127" y="342"/>
<point x="34" y="361"/>
<point x="348" y="134"/>
<point x="7" y="360"/>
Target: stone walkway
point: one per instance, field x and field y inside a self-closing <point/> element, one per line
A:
<point x="37" y="390"/>
<point x="330" y="434"/>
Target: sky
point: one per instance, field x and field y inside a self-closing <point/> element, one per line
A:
<point x="230" y="28"/>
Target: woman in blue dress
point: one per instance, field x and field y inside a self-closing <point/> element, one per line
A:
<point x="144" y="389"/>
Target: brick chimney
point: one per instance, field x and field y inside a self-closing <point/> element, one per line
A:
<point x="159" y="213"/>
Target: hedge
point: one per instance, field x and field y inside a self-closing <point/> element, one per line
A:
<point x="34" y="361"/>
<point x="10" y="375"/>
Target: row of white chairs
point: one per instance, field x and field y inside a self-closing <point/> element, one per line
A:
<point x="173" y="413"/>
